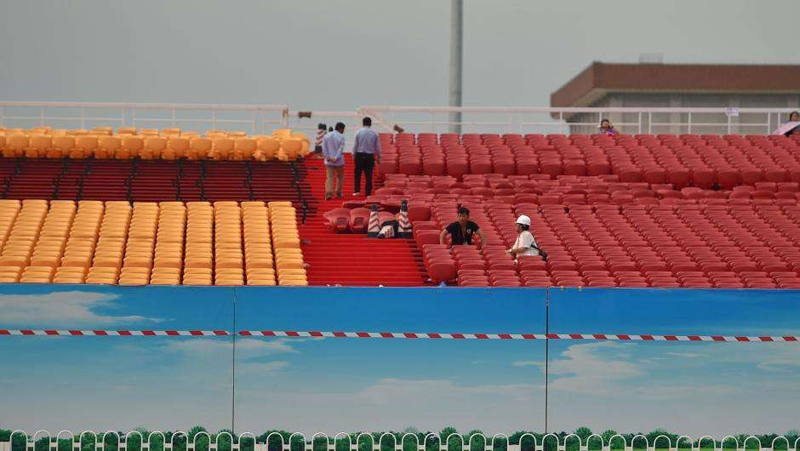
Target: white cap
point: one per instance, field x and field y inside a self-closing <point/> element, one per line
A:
<point x="524" y="220"/>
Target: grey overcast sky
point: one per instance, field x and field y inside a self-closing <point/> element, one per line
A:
<point x="337" y="55"/>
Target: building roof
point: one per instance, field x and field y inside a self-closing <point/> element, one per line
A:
<point x="600" y="78"/>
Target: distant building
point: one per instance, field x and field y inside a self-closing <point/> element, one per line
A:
<point x="682" y="86"/>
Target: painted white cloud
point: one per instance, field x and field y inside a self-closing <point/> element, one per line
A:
<point x="593" y="368"/>
<point x="610" y="369"/>
<point x="253" y="359"/>
<point x="247" y="347"/>
<point x="777" y="358"/>
<point x="524" y="363"/>
<point x="686" y="355"/>
<point x="392" y="403"/>
<point x="770" y="357"/>
<point x="70" y="309"/>
<point x="255" y="368"/>
<point x="392" y="390"/>
<point x="779" y="365"/>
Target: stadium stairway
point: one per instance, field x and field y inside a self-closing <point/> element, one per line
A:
<point x="350" y="259"/>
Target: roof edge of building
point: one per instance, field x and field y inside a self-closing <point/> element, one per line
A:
<point x="568" y="93"/>
<point x="583" y="88"/>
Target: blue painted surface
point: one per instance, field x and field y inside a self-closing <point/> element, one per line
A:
<point x="675" y="311"/>
<point x="358" y="384"/>
<point x="392" y="309"/>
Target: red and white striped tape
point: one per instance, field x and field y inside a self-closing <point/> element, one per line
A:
<point x="413" y="335"/>
<point x="404" y="335"/>
<point x="115" y="333"/>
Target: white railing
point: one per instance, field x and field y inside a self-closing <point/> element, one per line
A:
<point x="351" y="120"/>
<point x="246" y="441"/>
<point x="580" y="120"/>
<point x="262" y="119"/>
<point x="254" y="119"/>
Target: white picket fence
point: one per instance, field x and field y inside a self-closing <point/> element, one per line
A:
<point x="297" y="440"/>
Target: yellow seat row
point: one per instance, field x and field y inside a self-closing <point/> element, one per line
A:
<point x="42" y="143"/>
<point x="21" y="239"/>
<point x="199" y="261"/>
<point x="259" y="258"/>
<point x="289" y="265"/>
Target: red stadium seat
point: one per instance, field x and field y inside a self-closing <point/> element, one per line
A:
<point x="338" y="220"/>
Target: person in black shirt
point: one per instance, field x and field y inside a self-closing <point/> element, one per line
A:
<point x="462" y="231"/>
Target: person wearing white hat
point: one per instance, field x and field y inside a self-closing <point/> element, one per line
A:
<point x="525" y="244"/>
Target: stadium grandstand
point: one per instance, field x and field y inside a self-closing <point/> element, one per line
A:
<point x="556" y="248"/>
<point x="170" y="206"/>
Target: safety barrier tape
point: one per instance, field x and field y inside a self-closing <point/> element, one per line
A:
<point x="403" y="335"/>
<point x="114" y="333"/>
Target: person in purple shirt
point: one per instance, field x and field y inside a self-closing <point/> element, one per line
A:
<point x="333" y="152"/>
<point x="366" y="151"/>
<point x="606" y="128"/>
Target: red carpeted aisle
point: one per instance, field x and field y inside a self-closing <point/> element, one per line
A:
<point x="350" y="259"/>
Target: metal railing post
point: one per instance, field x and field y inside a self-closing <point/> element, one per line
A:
<point x="639" y="128"/>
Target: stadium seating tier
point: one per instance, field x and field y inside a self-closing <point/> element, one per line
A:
<point x="624" y="211"/>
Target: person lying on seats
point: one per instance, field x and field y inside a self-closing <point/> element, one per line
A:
<point x="389" y="229"/>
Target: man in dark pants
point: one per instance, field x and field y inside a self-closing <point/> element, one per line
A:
<point x="366" y="151"/>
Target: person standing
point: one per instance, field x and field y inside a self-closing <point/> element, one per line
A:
<point x="333" y="152"/>
<point x="322" y="130"/>
<point x="366" y="151"/>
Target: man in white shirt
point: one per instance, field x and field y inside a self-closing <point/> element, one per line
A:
<point x="366" y="151"/>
